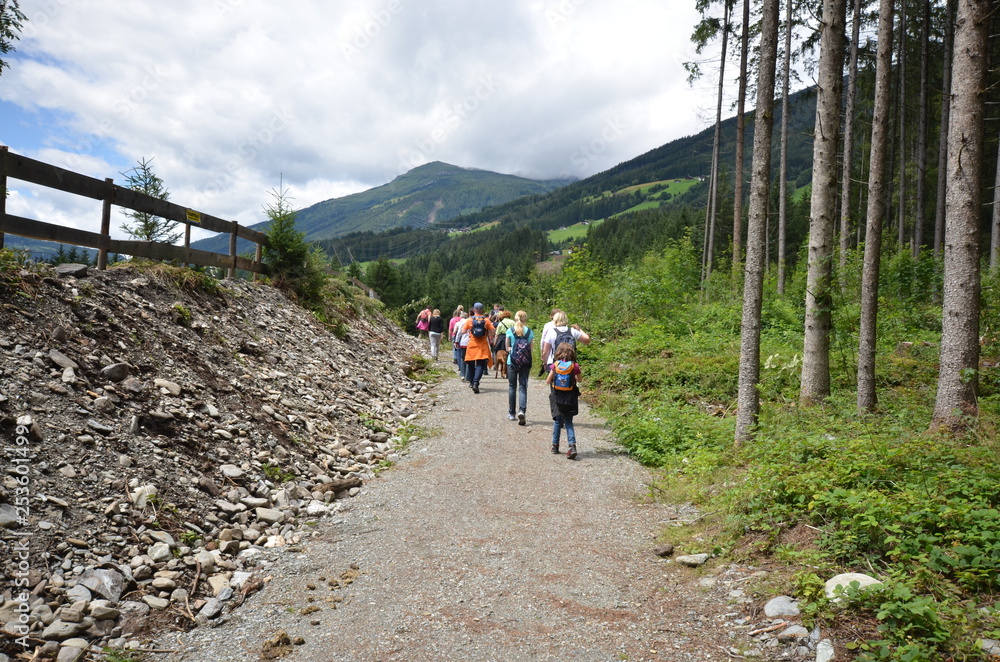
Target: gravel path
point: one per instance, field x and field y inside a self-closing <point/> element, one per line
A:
<point x="482" y="545"/>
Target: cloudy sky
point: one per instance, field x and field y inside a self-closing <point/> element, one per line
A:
<point x="229" y="97"/>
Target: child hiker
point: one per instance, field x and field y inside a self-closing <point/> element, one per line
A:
<point x="564" y="396"/>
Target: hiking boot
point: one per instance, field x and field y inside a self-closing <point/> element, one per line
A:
<point x="520" y="418"/>
<point x="555" y="449"/>
<point x="475" y="388"/>
<point x="571" y="453"/>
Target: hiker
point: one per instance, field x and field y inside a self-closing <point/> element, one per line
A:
<point x="519" y="339"/>
<point x="564" y="396"/>
<point x="477" y="354"/>
<point x="461" y="341"/>
<point x="423" y="321"/>
<point x="456" y="317"/>
<point x="503" y="324"/>
<point x="435" y="327"/>
<point x="558" y="333"/>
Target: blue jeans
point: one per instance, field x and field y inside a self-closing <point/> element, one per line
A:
<point x="461" y="363"/>
<point x="517" y="380"/>
<point x="476" y="369"/>
<point x="558" y="424"/>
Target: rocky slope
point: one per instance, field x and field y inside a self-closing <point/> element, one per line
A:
<point x="160" y="440"/>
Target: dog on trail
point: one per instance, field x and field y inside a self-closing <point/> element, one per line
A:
<point x="500" y="364"/>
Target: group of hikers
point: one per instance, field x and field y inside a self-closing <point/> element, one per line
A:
<point x="481" y="340"/>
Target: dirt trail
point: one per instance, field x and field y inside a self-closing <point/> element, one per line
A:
<point x="482" y="545"/>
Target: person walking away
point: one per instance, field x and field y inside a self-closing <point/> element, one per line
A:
<point x="435" y="328"/>
<point x="456" y="317"/>
<point x="519" y="339"/>
<point x="423" y="321"/>
<point x="564" y="396"/>
<point x="558" y="333"/>
<point x="477" y="353"/>
<point x="462" y="342"/>
<point x="504" y="324"/>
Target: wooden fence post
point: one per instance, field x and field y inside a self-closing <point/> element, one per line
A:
<point x="232" y="248"/>
<point x="3" y="187"/>
<point x="109" y="194"/>
<point x="258" y="255"/>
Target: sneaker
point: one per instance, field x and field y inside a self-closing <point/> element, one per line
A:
<point x="520" y="418"/>
<point x="510" y="417"/>
<point x="555" y="449"/>
<point x="571" y="453"/>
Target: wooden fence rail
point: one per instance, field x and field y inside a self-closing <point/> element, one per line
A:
<point x="15" y="166"/>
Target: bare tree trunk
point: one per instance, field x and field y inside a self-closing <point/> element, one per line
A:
<point x="823" y="209"/>
<point x="995" y="232"/>
<point x="783" y="168"/>
<point x="901" y="211"/>
<point x="867" y="397"/>
<point x="942" y="182"/>
<point x="714" y="187"/>
<point x="845" y="190"/>
<point x="753" y="287"/>
<point x="959" y="372"/>
<point x="740" y="136"/>
<point x="918" y="223"/>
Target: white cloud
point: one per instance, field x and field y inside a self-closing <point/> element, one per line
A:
<point x="229" y="96"/>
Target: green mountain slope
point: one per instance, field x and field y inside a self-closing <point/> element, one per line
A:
<point x="426" y="196"/>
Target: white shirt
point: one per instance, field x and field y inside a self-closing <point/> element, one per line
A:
<point x="549" y="335"/>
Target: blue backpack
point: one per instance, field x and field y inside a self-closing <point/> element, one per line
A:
<point x="563" y="380"/>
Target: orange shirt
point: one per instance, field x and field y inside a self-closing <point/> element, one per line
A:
<point x="479" y="348"/>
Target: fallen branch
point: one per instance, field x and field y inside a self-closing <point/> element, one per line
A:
<point x="768" y="629"/>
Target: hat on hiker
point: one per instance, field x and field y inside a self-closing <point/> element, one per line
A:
<point x="477" y="306"/>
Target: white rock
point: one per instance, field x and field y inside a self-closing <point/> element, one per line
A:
<point x="825" y="651"/>
<point x="159" y="552"/>
<point x="844" y="580"/>
<point x="692" y="560"/>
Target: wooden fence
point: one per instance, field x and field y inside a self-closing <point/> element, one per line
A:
<point x="15" y="166"/>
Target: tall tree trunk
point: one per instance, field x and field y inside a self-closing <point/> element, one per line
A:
<point x="783" y="167"/>
<point x="740" y="135"/>
<point x="918" y="223"/>
<point x="958" y="374"/>
<point x="942" y="181"/>
<point x="867" y="397"/>
<point x="901" y="210"/>
<point x="753" y="286"/>
<point x="823" y="208"/>
<point x="714" y="186"/>
<point x="845" y="190"/>
<point x="995" y="232"/>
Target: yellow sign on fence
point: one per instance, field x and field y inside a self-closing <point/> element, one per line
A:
<point x="193" y="216"/>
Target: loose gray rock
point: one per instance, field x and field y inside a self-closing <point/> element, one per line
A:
<point x="107" y="583"/>
<point x="269" y="515"/>
<point x="781" y="606"/>
<point x="159" y="552"/>
<point x="793" y="632"/>
<point x="62" y="360"/>
<point x="692" y="560"/>
<point x="211" y="609"/>
<point x="156" y="603"/>
<point x="60" y="630"/>
<point x="115" y="372"/>
<point x="71" y="270"/>
<point x="9" y="517"/>
<point x="231" y="471"/>
<point x="170" y="387"/>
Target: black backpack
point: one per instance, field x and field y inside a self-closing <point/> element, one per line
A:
<point x="563" y="336"/>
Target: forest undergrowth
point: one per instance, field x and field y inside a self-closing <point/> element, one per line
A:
<point x="822" y="489"/>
